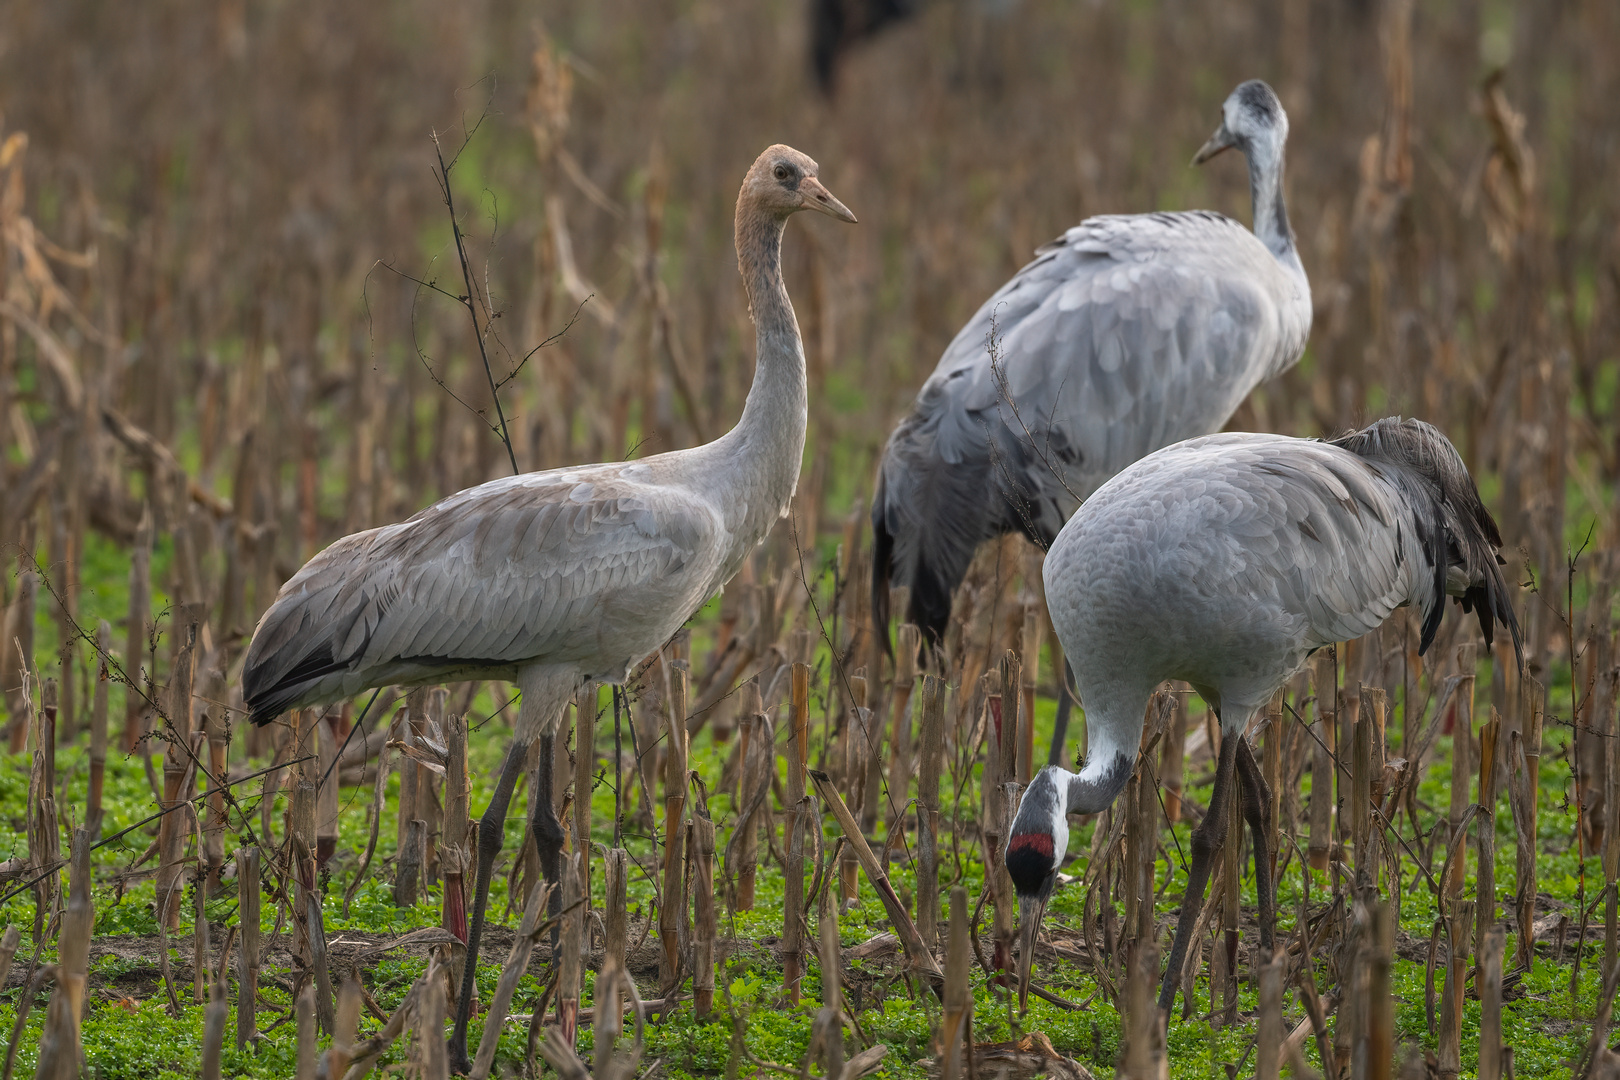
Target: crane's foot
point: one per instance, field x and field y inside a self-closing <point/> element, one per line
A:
<point x="460" y="1065"/>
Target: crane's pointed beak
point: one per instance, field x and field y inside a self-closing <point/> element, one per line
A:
<point x="1031" y="910"/>
<point x="817" y="197"/>
<point x="1221" y="140"/>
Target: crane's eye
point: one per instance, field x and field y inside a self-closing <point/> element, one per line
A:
<point x="782" y="172"/>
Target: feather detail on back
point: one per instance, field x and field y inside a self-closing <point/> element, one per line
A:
<point x="1225" y="560"/>
<point x="486" y="580"/>
<point x="1124" y="335"/>
<point x="1459" y="528"/>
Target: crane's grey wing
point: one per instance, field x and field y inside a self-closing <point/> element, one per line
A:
<point x="1461" y="536"/>
<point x="1245" y="528"/>
<point x="534" y="567"/>
<point x="1148" y="329"/>
<point x="1318" y="530"/>
<point x="1225" y="560"/>
<point x="1124" y="335"/>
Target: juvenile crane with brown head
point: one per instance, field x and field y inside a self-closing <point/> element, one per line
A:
<point x="556" y="578"/>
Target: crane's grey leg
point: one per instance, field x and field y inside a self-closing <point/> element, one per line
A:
<point x="1060" y="730"/>
<point x="491" y="830"/>
<point x="1206" y="841"/>
<point x="548" y="834"/>
<point x="1257" y="811"/>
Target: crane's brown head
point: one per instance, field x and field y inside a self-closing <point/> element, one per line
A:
<point x="783" y="181"/>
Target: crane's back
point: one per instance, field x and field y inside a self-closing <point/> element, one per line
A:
<point x="1124" y="335"/>
<point x="1224" y="560"/>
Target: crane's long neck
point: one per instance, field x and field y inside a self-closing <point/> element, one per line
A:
<point x="759" y="458"/>
<point x="1270" y="211"/>
<point x="1098" y="783"/>
<point x="1115" y="711"/>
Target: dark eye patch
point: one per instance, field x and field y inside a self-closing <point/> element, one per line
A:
<point x="788" y="176"/>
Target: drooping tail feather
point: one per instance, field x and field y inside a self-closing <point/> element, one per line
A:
<point x="1459" y="532"/>
<point x="882" y="555"/>
<point x="928" y="518"/>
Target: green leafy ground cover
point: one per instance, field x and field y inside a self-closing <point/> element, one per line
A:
<point x="128" y="1032"/>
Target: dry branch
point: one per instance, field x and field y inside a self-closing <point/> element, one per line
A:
<point x="920" y="956"/>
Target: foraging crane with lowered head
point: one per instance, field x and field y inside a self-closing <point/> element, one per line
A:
<point x="1124" y="335"/>
<point x="1224" y="561"/>
<point x="556" y="578"/>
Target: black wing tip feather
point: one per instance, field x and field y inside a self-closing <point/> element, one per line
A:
<point x="931" y="590"/>
<point x="271" y="686"/>
<point x="268" y="700"/>
<point x="930" y="607"/>
<point x="1425" y="450"/>
<point x="882" y="554"/>
<point x="1438" y="551"/>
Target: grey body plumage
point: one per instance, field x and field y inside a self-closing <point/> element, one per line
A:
<point x="1124" y="335"/>
<point x="1224" y="561"/>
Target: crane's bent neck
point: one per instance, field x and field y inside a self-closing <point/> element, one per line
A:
<point x="758" y="460"/>
<point x="1098" y="783"/>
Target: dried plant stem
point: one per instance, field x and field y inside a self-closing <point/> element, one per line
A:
<point x="671" y="911"/>
<point x="1525" y="819"/>
<point x="98" y="729"/>
<point x="1268" y="1063"/>
<point x="470" y="300"/>
<point x="305" y="1009"/>
<point x="1379" y="1008"/>
<point x="705" y="922"/>
<point x="517" y="962"/>
<point x="756" y="753"/>
<point x="379" y="785"/>
<point x="1459" y="933"/>
<point x="931" y="759"/>
<point x="920" y="956"/>
<point x="1322" y="769"/>
<point x="1462" y="769"/>
<point x="908" y="640"/>
<point x="793" y="914"/>
<point x="570" y="945"/>
<point x="1485" y="837"/>
<point x="247" y="956"/>
<point x="956" y="1024"/>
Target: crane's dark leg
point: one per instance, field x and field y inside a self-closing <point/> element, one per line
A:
<point x="1206" y="841"/>
<point x="491" y="830"/>
<point x="1060" y="731"/>
<point x="548" y="834"/>
<point x="1257" y="811"/>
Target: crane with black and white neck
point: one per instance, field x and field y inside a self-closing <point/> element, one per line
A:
<point x="1124" y="335"/>
<point x="1224" y="562"/>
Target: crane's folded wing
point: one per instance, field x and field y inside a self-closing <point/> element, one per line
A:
<point x="1270" y="523"/>
<point x="538" y="566"/>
